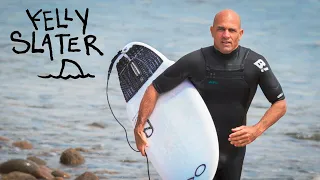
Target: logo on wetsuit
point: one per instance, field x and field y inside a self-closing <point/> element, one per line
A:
<point x="261" y="65"/>
<point x="213" y="82"/>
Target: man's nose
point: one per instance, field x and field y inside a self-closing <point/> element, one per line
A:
<point x="226" y="34"/>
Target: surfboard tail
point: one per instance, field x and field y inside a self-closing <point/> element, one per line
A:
<point x="134" y="69"/>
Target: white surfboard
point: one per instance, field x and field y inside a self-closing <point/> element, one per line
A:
<point x="182" y="138"/>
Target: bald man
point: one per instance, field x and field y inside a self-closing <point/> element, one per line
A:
<point x="226" y="76"/>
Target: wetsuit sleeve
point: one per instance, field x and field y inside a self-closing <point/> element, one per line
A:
<point x="175" y="74"/>
<point x="268" y="82"/>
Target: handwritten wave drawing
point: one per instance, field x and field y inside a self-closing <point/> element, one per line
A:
<point x="81" y="75"/>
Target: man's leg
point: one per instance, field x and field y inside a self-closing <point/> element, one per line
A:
<point x="230" y="172"/>
<point x="217" y="175"/>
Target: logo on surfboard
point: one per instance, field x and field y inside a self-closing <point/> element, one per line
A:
<point x="147" y="130"/>
<point x="198" y="171"/>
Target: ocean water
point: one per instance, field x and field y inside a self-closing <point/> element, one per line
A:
<point x="53" y="114"/>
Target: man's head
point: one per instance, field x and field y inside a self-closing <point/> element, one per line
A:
<point x="226" y="31"/>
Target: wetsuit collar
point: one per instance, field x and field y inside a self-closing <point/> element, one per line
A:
<point x="227" y="56"/>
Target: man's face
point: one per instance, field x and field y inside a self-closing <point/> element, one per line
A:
<point x="226" y="32"/>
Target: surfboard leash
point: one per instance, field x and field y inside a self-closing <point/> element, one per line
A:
<point x="109" y="73"/>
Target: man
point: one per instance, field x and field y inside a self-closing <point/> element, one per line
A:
<point x="226" y="76"/>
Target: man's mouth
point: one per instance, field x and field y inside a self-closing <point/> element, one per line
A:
<point x="226" y="42"/>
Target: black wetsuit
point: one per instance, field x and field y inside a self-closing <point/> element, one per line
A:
<point x="227" y="84"/>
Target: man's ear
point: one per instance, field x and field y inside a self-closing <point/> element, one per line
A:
<point x="212" y="31"/>
<point x="241" y="33"/>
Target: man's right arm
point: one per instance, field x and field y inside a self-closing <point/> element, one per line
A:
<point x="147" y="105"/>
<point x="166" y="81"/>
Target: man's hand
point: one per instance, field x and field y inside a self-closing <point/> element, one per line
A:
<point x="141" y="140"/>
<point x="243" y="135"/>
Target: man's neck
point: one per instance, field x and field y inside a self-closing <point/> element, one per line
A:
<point x="229" y="55"/>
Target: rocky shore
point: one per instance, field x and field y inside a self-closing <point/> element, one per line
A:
<point x="33" y="167"/>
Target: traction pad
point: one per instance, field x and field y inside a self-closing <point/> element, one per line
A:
<point x="135" y="68"/>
